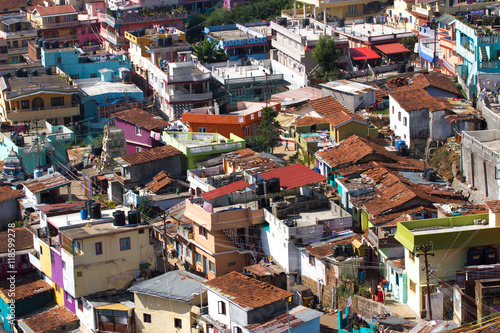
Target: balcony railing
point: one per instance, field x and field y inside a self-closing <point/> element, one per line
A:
<point x="489" y="65"/>
<point x="140" y="19"/>
<point x="488" y="40"/>
<point x="44" y="108"/>
<point x="420" y="10"/>
<point x="47" y="25"/>
<point x="183" y="97"/>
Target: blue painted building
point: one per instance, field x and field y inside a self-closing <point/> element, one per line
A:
<point x="480" y="50"/>
<point x="241" y="41"/>
<point x="78" y="65"/>
<point x="38" y="147"/>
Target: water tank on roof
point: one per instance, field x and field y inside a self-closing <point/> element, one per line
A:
<point x="431" y="176"/>
<point x="338" y="251"/>
<point x="19" y="72"/>
<point x="426" y="172"/>
<point x="134" y="217"/>
<point x="168" y="41"/>
<point x="48" y="70"/>
<point x="37" y="173"/>
<point x="34" y="73"/>
<point x="490" y="255"/>
<point x="46" y="44"/>
<point x="66" y="44"/>
<point x="274" y="185"/>
<point x="348" y="250"/>
<point x="282" y="21"/>
<point x="88" y="206"/>
<point x="95" y="211"/>
<point x="159" y="41"/>
<point x="474" y="257"/>
<point x="127" y="77"/>
<point x="55" y="44"/>
<point x="119" y="218"/>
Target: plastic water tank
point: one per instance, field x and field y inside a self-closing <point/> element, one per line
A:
<point x="37" y="173"/>
<point x="490" y="256"/>
<point x="159" y="41"/>
<point x="66" y="44"/>
<point x="134" y="217"/>
<point x="119" y="218"/>
<point x="259" y="187"/>
<point x="83" y="214"/>
<point x="48" y="70"/>
<point x="348" y="250"/>
<point x="474" y="257"/>
<point x="88" y="206"/>
<point x="46" y="44"/>
<point x="127" y="77"/>
<point x="338" y="251"/>
<point x="95" y="211"/>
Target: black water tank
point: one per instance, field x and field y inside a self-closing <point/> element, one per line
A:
<point x="88" y="206"/>
<point x="348" y="250"/>
<point x="474" y="257"/>
<point x="305" y="22"/>
<point x="134" y="217"/>
<point x="338" y="251"/>
<point x="282" y="21"/>
<point x="48" y="71"/>
<point x="119" y="218"/>
<point x="168" y="41"/>
<point x="40" y="42"/>
<point x="341" y="23"/>
<point x="46" y="44"/>
<point x="426" y="172"/>
<point x="259" y="187"/>
<point x="95" y="211"/>
<point x="490" y="256"/>
<point x="411" y="68"/>
<point x="25" y="73"/>
<point x="402" y="68"/>
<point x="274" y="185"/>
<point x="55" y="44"/>
<point x="66" y="44"/>
<point x="127" y="77"/>
<point x="159" y="41"/>
<point x="264" y="203"/>
<point x="34" y="73"/>
<point x="431" y="176"/>
<point x="142" y="32"/>
<point x="19" y="72"/>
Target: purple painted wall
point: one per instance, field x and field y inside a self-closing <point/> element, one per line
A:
<point x="70" y="304"/>
<point x="143" y="141"/>
<point x="57" y="271"/>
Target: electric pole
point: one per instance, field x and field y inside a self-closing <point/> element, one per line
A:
<point x="425" y="249"/>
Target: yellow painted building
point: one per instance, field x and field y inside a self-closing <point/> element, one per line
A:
<point x="335" y="9"/>
<point x="44" y="252"/>
<point x="150" y="39"/>
<point x="52" y="22"/>
<point x="50" y="97"/>
<point x="169" y="303"/>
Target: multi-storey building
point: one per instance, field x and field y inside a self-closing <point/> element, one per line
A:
<point x="50" y="97"/>
<point x="55" y="22"/>
<point x="17" y="31"/>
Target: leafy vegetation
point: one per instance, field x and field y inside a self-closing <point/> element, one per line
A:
<point x="268" y="131"/>
<point x="444" y="160"/>
<point x="409" y="42"/>
<point x="246" y="12"/>
<point x="207" y="52"/>
<point x="326" y="54"/>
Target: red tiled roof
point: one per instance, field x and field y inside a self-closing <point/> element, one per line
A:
<point x="417" y="99"/>
<point x="159" y="181"/>
<point x="25" y="287"/>
<point x="493" y="205"/>
<point x="294" y="176"/>
<point x="154" y="154"/>
<point x="218" y="192"/>
<point x="246" y="291"/>
<point x="142" y="119"/>
<point x="334" y="112"/>
<point x="49" y="320"/>
<point x="23" y="239"/>
<point x="55" y="10"/>
<point x="7" y="193"/>
<point x="424" y="81"/>
<point x="326" y="249"/>
<point x="308" y="121"/>
<point x="392" y="48"/>
<point x="363" y="53"/>
<point x="46" y="182"/>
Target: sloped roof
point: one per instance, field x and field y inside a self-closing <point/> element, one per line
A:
<point x="392" y="48"/>
<point x="325" y="249"/>
<point x="7" y="193"/>
<point x="218" y="192"/>
<point x="55" y="10"/>
<point x="154" y="154"/>
<point x="47" y="182"/>
<point x="27" y="286"/>
<point x="363" y="53"/>
<point x="141" y="118"/>
<point x="334" y="112"/>
<point x="176" y="285"/>
<point x="308" y="121"/>
<point x="424" y="81"/>
<point x="295" y="317"/>
<point x="159" y="181"/>
<point x="49" y="320"/>
<point x="493" y="205"/>
<point x="23" y="240"/>
<point x="9" y="5"/>
<point x="246" y="291"/>
<point x="293" y="176"/>
<point x="417" y="99"/>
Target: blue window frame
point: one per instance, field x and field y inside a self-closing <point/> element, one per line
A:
<point x="124" y="244"/>
<point x="198" y="258"/>
<point x="211" y="267"/>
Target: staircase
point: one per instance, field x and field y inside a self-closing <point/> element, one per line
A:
<point x="483" y="54"/>
<point x="240" y="243"/>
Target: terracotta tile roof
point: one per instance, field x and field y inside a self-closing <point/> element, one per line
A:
<point x="1" y="165"/>
<point x="46" y="182"/>
<point x="10" y="5"/>
<point x="246" y="291"/>
<point x="416" y="99"/>
<point x="353" y="150"/>
<point x="142" y="119"/>
<point x="325" y="249"/>
<point x="294" y="176"/>
<point x="380" y="94"/>
<point x="308" y="121"/>
<point x="424" y="81"/>
<point x="388" y="220"/>
<point x="24" y="239"/>
<point x="334" y="112"/>
<point x="154" y="154"/>
<point x="295" y="317"/>
<point x="159" y="181"/>
<point x="55" y="10"/>
<point x="493" y="205"/>
<point x="7" y="193"/>
<point x="402" y="164"/>
<point x="50" y="320"/>
<point x="250" y="161"/>
<point x="25" y="287"/>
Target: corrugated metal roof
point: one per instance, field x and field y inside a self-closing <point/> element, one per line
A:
<point x="175" y="285"/>
<point x="293" y="176"/>
<point x="446" y="19"/>
<point x="47" y="182"/>
<point x="218" y="192"/>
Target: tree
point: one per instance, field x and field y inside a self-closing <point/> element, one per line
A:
<point x="326" y="53"/>
<point x="207" y="52"/>
<point x="409" y="42"/>
<point x="269" y="129"/>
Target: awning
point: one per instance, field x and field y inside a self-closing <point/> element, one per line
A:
<point x="392" y="48"/>
<point x="363" y="53"/>
<point x="293" y="176"/>
<point x="218" y="192"/>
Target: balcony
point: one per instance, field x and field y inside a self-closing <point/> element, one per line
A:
<point x="44" y="113"/>
<point x="489" y="65"/>
<point x="35" y="260"/>
<point x="18" y="34"/>
<point x="122" y="179"/>
<point x="183" y="97"/>
<point x="490" y="40"/>
<point x="188" y="78"/>
<point x="64" y="24"/>
<point x="420" y="10"/>
<point x="140" y="19"/>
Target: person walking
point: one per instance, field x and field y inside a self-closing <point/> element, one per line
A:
<point x="286" y="145"/>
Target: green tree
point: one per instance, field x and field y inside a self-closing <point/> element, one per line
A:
<point x="409" y="42"/>
<point x="207" y="52"/>
<point x="326" y="53"/>
<point x="269" y="129"/>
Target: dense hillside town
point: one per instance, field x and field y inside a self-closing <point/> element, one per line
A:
<point x="250" y="166"/>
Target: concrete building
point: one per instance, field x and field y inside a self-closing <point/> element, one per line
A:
<point x="173" y="301"/>
<point x="240" y="303"/>
<point x="17" y="261"/>
<point x="9" y="209"/>
<point x="60" y="22"/>
<point x="17" y="31"/>
<point x="481" y="161"/>
<point x="45" y="189"/>
<point x="399" y="15"/>
<point x="352" y="95"/>
<point x="241" y="41"/>
<point x="293" y="45"/>
<point x="50" y="97"/>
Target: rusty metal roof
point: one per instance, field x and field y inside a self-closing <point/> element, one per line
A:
<point x="47" y="182"/>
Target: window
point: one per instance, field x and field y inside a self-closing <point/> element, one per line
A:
<point x="75" y="76"/>
<point x="247" y="131"/>
<point x="413" y="286"/>
<point x="63" y="264"/>
<point x="146" y="317"/>
<point x="67" y="17"/>
<point x="352" y="9"/>
<point x="138" y="149"/>
<point x="98" y="248"/>
<point x="138" y="130"/>
<point x="238" y="330"/>
<point x="59" y="60"/>
<point x="41" y="250"/>
<point x="202" y="231"/>
<point x="57" y="101"/>
<point x="58" y="290"/>
<point x="79" y="274"/>
<point x="399" y="116"/>
<point x="240" y="119"/>
<point x="93" y="75"/>
<point x="69" y="298"/>
<point x="222" y="307"/>
<point x="370" y="6"/>
<point x="15" y="44"/>
<point x="211" y="267"/>
<point x="24" y="43"/>
<point x="232" y="263"/>
<point x="198" y="258"/>
<point x="260" y="114"/>
<point x="177" y="323"/>
<point x="251" y="117"/>
<point x="52" y="259"/>
<point x="311" y="260"/>
<point x="411" y="255"/>
<point x="405" y="121"/>
<point x="80" y="304"/>
<point x="393" y="110"/>
<point x="25" y="104"/>
<point x="202" y="129"/>
<point x="124" y="243"/>
<point x="141" y="231"/>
